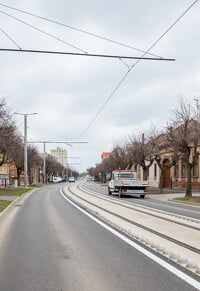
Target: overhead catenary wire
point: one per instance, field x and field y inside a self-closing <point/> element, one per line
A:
<point x="146" y="52"/>
<point x="86" y="55"/>
<point x="42" y="31"/>
<point x="45" y="133"/>
<point x="133" y="66"/>
<point x="78" y="29"/>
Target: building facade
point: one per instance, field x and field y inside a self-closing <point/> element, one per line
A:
<point x="176" y="176"/>
<point x="60" y="155"/>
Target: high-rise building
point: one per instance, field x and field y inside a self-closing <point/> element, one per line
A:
<point x="60" y="155"/>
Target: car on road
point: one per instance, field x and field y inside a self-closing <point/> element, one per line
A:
<point x="71" y="179"/>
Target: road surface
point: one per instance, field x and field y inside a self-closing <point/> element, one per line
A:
<point x="48" y="244"/>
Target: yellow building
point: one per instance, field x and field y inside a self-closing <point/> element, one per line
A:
<point x="60" y="155"/>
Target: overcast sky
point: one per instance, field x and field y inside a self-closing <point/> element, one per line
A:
<point x="67" y="91"/>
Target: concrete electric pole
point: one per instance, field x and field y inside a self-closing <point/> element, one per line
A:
<point x="25" y="147"/>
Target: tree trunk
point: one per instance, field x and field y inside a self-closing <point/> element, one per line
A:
<point x="18" y="179"/>
<point x="188" y="192"/>
<point x="145" y="173"/>
<point x="30" y="176"/>
<point x="162" y="173"/>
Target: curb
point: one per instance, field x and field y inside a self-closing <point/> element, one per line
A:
<point x="16" y="200"/>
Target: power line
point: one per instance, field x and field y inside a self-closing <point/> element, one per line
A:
<point x="78" y="29"/>
<point x="39" y="131"/>
<point x="130" y="69"/>
<point x="42" y="31"/>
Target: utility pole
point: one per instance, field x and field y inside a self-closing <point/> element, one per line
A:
<point x="44" y="163"/>
<point x="25" y="146"/>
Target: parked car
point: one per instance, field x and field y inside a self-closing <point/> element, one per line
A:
<point x="57" y="179"/>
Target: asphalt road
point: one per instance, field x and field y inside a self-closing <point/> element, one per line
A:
<point x="48" y="244"/>
<point x="154" y="201"/>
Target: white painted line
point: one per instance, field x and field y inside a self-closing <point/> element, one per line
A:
<point x="156" y="259"/>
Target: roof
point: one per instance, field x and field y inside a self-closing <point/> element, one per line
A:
<point x="105" y="155"/>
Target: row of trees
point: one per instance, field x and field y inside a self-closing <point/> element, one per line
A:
<point x="180" y="138"/>
<point x="12" y="148"/>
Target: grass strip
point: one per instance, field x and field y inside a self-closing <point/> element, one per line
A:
<point x="4" y="204"/>
<point x="21" y="192"/>
<point x="192" y="200"/>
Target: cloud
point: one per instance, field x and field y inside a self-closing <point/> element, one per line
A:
<point x="68" y="91"/>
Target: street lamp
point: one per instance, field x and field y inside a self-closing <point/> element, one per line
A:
<point x="25" y="146"/>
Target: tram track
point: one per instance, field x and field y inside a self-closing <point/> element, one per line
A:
<point x="146" y="210"/>
<point x="197" y="250"/>
<point x="131" y="215"/>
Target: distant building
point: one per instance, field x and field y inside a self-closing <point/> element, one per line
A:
<point x="105" y="155"/>
<point x="60" y="155"/>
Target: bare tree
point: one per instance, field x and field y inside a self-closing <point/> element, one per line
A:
<point x="53" y="167"/>
<point x="91" y="171"/>
<point x="184" y="134"/>
<point x="17" y="154"/>
<point x="7" y="132"/>
<point x="34" y="161"/>
<point x="141" y="152"/>
<point x="119" y="158"/>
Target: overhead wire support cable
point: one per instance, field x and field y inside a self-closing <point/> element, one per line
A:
<point x="78" y="29"/>
<point x="42" y="31"/>
<point x="8" y="36"/>
<point x="130" y="69"/>
<point x="86" y="55"/>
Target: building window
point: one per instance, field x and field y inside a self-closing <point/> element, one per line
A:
<point x="155" y="171"/>
<point x="183" y="169"/>
<point x="196" y="169"/>
<point x="176" y="170"/>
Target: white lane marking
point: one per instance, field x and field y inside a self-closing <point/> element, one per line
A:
<point x="156" y="259"/>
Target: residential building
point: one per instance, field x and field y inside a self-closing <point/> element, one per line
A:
<point x="60" y="155"/>
<point x="174" y="177"/>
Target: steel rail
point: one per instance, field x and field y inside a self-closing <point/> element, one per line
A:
<point x="187" y="246"/>
<point x="145" y="212"/>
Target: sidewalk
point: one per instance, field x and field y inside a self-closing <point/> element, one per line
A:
<point x="169" y="194"/>
<point x="8" y="198"/>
